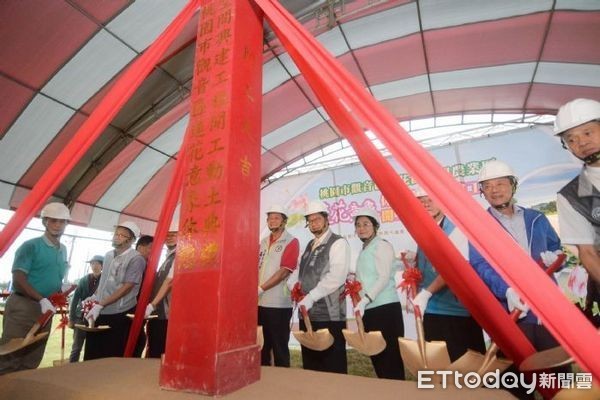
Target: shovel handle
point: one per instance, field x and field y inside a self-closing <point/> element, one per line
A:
<point x="514" y="315"/>
<point x="306" y="319"/>
<point x="39" y="324"/>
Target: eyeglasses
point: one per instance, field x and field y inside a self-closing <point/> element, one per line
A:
<point x="122" y="236"/>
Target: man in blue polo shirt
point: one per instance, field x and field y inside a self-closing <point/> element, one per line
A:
<point x="38" y="271"/>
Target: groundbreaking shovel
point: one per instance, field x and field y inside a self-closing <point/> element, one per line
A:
<point x="92" y="328"/>
<point x="368" y="343"/>
<point x="554" y="357"/>
<point x="32" y="336"/>
<point x="87" y="305"/>
<point x="315" y="340"/>
<point x="420" y="355"/>
<point x="473" y="361"/>
<point x="551" y="358"/>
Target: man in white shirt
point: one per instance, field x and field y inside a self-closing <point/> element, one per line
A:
<point x="578" y="126"/>
<point x="277" y="260"/>
<point x="324" y="267"/>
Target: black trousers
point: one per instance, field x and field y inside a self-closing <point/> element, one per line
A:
<point x="387" y="319"/>
<point x="275" y="324"/>
<point x="157" y="337"/>
<point x="334" y="358"/>
<point x="111" y="342"/>
<point x="459" y="333"/>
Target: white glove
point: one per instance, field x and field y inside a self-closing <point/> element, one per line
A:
<point x="260" y="290"/>
<point x="92" y="298"/>
<point x="149" y="310"/>
<point x="46" y="305"/>
<point x="307" y="302"/>
<point x="548" y="257"/>
<point x="421" y="300"/>
<point x="360" y="307"/>
<point x="514" y="301"/>
<point x="94" y="313"/>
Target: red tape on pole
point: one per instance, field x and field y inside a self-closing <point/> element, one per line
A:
<point x="110" y="105"/>
<point x="164" y="221"/>
<point x="561" y="317"/>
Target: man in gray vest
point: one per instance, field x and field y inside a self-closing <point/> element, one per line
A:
<point x="278" y="258"/>
<point x="161" y="295"/>
<point x="324" y="267"/>
<point x="116" y="295"/>
<point x="578" y="126"/>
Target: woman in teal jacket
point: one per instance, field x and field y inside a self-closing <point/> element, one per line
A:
<point x="379" y="302"/>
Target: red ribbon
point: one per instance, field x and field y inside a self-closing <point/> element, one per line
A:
<point x="87" y="306"/>
<point x="58" y="300"/>
<point x="352" y="288"/>
<point x="412" y="277"/>
<point x="297" y="294"/>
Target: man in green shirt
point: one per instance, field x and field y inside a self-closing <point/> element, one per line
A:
<point x="38" y="271"/>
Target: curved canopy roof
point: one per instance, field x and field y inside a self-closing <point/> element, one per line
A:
<point x="418" y="58"/>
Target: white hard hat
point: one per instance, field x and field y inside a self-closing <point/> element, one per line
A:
<point x="132" y="226"/>
<point x="56" y="210"/>
<point x="366" y="212"/>
<point x="495" y="169"/>
<point x="575" y="113"/>
<point x="277" y="208"/>
<point x="315" y="207"/>
<point x="418" y="191"/>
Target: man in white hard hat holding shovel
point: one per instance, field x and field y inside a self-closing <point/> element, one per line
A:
<point x="532" y="232"/>
<point x="578" y="126"/>
<point x="116" y="295"/>
<point x="278" y="258"/>
<point x="38" y="270"/>
<point x="324" y="267"/>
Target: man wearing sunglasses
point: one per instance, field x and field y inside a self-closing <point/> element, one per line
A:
<point x="116" y="295"/>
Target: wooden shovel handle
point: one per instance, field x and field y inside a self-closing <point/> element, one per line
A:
<point x="39" y="324"/>
<point x="514" y="315"/>
<point x="359" y="322"/>
<point x="306" y="319"/>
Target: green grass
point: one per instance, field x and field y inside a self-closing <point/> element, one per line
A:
<point x="358" y="364"/>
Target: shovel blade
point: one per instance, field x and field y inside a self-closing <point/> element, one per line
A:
<point x="19" y="343"/>
<point x="435" y="358"/>
<point x="92" y="328"/>
<point x="369" y="343"/>
<point x="471" y="361"/>
<point x="315" y="340"/>
<point x="550" y="358"/>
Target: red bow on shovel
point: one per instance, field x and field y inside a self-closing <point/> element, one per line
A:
<point x="34" y="335"/>
<point x="419" y="355"/>
<point x="368" y="343"/>
<point x="315" y="340"/>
